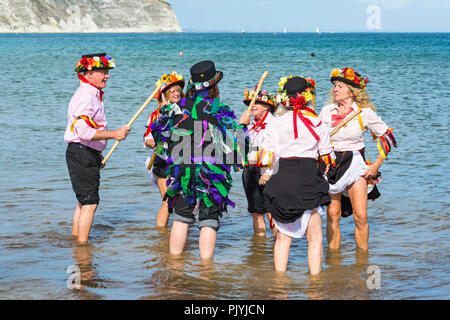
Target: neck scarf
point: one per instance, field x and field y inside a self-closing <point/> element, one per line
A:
<point x="260" y="125"/>
<point x="84" y="80"/>
<point x="337" y="118"/>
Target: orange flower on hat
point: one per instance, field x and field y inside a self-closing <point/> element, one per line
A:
<point x="350" y="74"/>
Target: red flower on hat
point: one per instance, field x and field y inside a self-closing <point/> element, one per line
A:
<point x="104" y="61"/>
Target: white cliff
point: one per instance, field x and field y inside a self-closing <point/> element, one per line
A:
<point x="87" y="16"/>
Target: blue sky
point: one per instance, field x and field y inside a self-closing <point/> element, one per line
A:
<point x="300" y="15"/>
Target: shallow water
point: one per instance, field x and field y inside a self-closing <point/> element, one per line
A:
<point x="127" y="256"/>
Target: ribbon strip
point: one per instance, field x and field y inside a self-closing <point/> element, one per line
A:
<point x="309" y="125"/>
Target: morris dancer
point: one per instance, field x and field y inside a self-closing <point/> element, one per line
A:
<point x="171" y="92"/>
<point x="296" y="193"/>
<point x="86" y="135"/>
<point x="351" y="176"/>
<point x="258" y="161"/>
<point x="194" y="133"/>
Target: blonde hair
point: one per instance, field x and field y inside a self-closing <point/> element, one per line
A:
<point x="360" y="96"/>
<point x="167" y="93"/>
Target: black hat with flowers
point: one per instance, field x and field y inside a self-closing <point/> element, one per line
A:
<point x="94" y="61"/>
<point x="263" y="97"/>
<point x="296" y="85"/>
<point x="204" y="76"/>
<point x="350" y="77"/>
<point x="293" y="87"/>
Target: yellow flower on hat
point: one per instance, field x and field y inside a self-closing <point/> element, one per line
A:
<point x="307" y="95"/>
<point x="282" y="81"/>
<point x="335" y="72"/>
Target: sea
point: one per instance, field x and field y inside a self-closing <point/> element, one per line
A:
<point x="127" y="257"/>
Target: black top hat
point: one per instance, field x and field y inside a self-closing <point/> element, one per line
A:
<point x="296" y="85"/>
<point x="204" y="76"/>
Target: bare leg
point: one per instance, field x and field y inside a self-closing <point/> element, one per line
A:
<point x="333" y="218"/>
<point x="315" y="243"/>
<point x="281" y="251"/>
<point x="358" y="197"/>
<point x="163" y="214"/>
<point x="76" y="217"/>
<point x="85" y="221"/>
<point x="207" y="242"/>
<point x="259" y="225"/>
<point x="178" y="237"/>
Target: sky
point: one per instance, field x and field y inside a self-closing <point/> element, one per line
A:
<point x="307" y="16"/>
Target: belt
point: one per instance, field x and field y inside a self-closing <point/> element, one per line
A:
<point x="82" y="146"/>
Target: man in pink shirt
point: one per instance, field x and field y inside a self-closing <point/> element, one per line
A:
<point x="86" y="135"/>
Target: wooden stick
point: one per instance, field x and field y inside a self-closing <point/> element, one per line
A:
<point x="258" y="88"/>
<point x="344" y="122"/>
<point x="152" y="159"/>
<point x="132" y="120"/>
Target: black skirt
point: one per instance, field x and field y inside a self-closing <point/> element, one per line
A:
<point x="253" y="190"/>
<point x="298" y="186"/>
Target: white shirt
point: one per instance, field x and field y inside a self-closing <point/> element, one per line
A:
<point x="351" y="137"/>
<point x="279" y="138"/>
<point x="256" y="135"/>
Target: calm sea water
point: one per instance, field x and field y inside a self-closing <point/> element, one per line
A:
<point x="127" y="257"/>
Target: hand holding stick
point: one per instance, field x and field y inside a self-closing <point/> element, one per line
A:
<point x="132" y="120"/>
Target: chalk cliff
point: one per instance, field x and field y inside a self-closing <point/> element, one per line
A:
<point x="87" y="16"/>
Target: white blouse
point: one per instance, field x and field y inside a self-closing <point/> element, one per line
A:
<point x="279" y="138"/>
<point x="351" y="136"/>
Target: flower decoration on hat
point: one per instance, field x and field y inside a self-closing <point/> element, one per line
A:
<point x="301" y="99"/>
<point x="169" y="80"/>
<point x="349" y="76"/>
<point x="94" y="63"/>
<point x="263" y="96"/>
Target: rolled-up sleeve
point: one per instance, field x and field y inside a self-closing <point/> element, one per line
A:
<point x="374" y="123"/>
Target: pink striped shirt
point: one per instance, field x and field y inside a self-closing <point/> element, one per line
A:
<point x="86" y="101"/>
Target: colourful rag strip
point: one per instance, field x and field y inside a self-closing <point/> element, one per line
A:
<point x="385" y="143"/>
<point x="91" y="123"/>
<point x="204" y="178"/>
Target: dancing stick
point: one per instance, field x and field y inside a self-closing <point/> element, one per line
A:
<point x="152" y="159"/>
<point x="258" y="88"/>
<point x="132" y="120"/>
<point x="344" y="122"/>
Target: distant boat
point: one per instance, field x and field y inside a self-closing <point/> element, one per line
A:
<point x="284" y="30"/>
<point x="317" y="30"/>
<point x="243" y="31"/>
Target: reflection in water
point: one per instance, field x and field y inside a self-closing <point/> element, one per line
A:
<point x="280" y="287"/>
<point x="83" y="259"/>
<point x="340" y="281"/>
